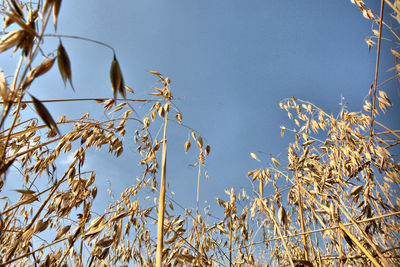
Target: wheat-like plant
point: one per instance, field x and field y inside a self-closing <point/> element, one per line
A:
<point x="333" y="201"/>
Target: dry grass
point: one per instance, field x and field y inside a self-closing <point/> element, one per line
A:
<point x="334" y="202"/>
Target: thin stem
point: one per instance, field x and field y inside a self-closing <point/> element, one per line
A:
<point x="161" y="200"/>
<point x="81" y="99"/>
<point x="272" y="216"/>
<point x="36" y="216"/>
<point x="324" y="229"/>
<point x="373" y="95"/>
<point x="198" y="190"/>
<point x="16" y="89"/>
<point x="9" y="103"/>
<point x="303" y="229"/>
<point x="80" y="38"/>
<point x="230" y="241"/>
<point x="32" y="252"/>
<point x="3" y="154"/>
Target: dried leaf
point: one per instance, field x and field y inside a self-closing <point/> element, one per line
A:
<point x="44" y="114"/>
<point x="64" y="65"/>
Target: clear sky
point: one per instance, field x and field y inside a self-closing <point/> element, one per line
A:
<point x="230" y="63"/>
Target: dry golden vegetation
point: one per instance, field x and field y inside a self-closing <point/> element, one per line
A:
<point x="335" y="200"/>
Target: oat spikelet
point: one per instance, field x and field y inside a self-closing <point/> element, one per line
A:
<point x="56" y="10"/>
<point x="44" y="114"/>
<point x="38" y="71"/>
<point x="10" y="40"/>
<point x="117" y="81"/>
<point x="3" y="87"/>
<point x="64" y="65"/>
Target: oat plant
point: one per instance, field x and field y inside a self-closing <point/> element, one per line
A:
<point x="332" y="202"/>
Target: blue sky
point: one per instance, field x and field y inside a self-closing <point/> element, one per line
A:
<point x="230" y="63"/>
